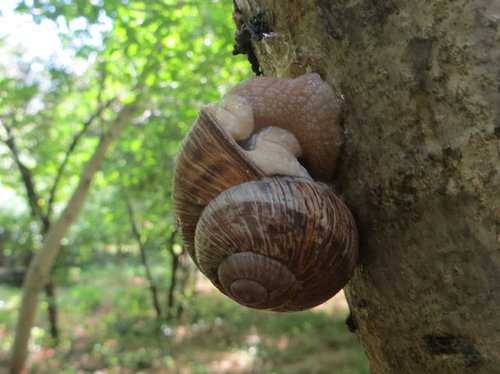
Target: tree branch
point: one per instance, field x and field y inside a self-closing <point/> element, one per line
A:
<point x="142" y="250"/>
<point x="26" y="176"/>
<point x="71" y="148"/>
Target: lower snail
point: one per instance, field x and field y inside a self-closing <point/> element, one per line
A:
<point x="250" y="214"/>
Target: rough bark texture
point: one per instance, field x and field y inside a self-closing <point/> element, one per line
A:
<point x="420" y="168"/>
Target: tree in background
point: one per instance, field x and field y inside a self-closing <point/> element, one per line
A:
<point x="420" y="168"/>
<point x="153" y="65"/>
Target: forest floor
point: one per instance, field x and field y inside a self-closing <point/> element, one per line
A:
<point x="107" y="325"/>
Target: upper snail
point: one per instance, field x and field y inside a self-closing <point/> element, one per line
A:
<point x="250" y="214"/>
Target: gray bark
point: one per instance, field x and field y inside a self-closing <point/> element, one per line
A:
<point x="420" y="168"/>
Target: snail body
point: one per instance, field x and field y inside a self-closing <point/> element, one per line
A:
<point x="307" y="106"/>
<point x="277" y="242"/>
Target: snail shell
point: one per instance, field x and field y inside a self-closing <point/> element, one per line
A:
<point x="281" y="243"/>
<point x="209" y="162"/>
<point x="268" y="242"/>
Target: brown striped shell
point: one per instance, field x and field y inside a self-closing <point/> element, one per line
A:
<point x="209" y="162"/>
<point x="269" y="242"/>
<point x="281" y="243"/>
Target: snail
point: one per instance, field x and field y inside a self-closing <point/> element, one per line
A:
<point x="249" y="198"/>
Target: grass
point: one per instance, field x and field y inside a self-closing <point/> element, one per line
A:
<point x="108" y="325"/>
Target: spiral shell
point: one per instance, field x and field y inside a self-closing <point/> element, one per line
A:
<point x="283" y="244"/>
<point x="269" y="242"/>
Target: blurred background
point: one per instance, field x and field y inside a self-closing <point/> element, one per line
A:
<point x="123" y="297"/>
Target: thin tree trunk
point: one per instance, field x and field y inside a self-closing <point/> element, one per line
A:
<point x="41" y="264"/>
<point x="420" y="168"/>
<point x="173" y="284"/>
<point x="184" y="284"/>
<point x="173" y="273"/>
<point x="144" y="259"/>
<point x="50" y="292"/>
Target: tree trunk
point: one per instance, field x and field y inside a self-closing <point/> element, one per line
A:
<point x="41" y="264"/>
<point x="420" y="168"/>
<point x="50" y="292"/>
<point x="174" y="266"/>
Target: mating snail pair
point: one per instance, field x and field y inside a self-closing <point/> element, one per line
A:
<point x="251" y="216"/>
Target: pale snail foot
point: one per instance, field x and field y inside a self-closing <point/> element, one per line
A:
<point x="276" y="151"/>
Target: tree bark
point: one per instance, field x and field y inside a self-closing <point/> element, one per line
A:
<point x="41" y="264"/>
<point x="420" y="168"/>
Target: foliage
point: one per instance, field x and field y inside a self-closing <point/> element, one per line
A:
<point x="157" y="58"/>
<point x="176" y="56"/>
<point x="106" y="329"/>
